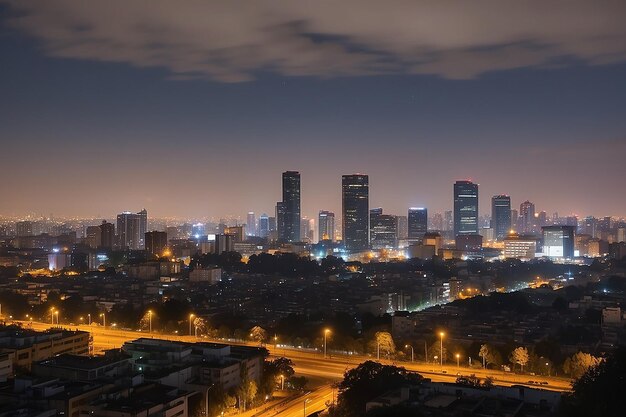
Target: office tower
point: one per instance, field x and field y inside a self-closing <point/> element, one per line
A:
<point x="403" y="227"/>
<point x="418" y="223"/>
<point x="93" y="237"/>
<point x="326" y="225"/>
<point x="156" y="242"/>
<point x="236" y="232"/>
<point x="107" y="235"/>
<point x="24" y="228"/>
<point x="128" y="228"/>
<point x="465" y="208"/>
<point x="143" y="227"/>
<point x="224" y="243"/>
<point x="589" y="226"/>
<point x="251" y="224"/>
<point x="527" y="217"/>
<point x="437" y="222"/>
<point x="289" y="225"/>
<point x="521" y="247"/>
<point x="383" y="230"/>
<point x="355" y="211"/>
<point x="264" y="225"/>
<point x="542" y="219"/>
<point x="515" y="220"/>
<point x="558" y="241"/>
<point x="448" y="221"/>
<point x="280" y="219"/>
<point x="500" y="216"/>
<point x="307" y="230"/>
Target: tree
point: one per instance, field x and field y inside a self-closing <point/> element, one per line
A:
<point x="519" y="356"/>
<point x="483" y="353"/>
<point x="369" y="380"/>
<point x="579" y="363"/>
<point x="384" y="342"/>
<point x="258" y="334"/>
<point x="200" y="325"/>
<point x="600" y="390"/>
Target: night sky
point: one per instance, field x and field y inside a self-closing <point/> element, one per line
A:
<point x="195" y="109"/>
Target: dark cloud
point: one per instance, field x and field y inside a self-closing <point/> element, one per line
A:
<point x="231" y="41"/>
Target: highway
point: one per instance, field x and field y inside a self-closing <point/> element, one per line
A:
<point x="318" y="370"/>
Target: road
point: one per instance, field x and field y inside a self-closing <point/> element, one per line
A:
<point x="312" y="365"/>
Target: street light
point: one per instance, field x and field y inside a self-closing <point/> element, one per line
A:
<point x="52" y="316"/>
<point x="457" y="360"/>
<point x="409" y="346"/>
<point x="104" y="320"/>
<point x="326" y="332"/>
<point x="191" y="316"/>
<point x="304" y="406"/>
<point x="56" y="313"/>
<point x="89" y="318"/>
<point x="441" y="335"/>
<point x="282" y="382"/>
<point x="150" y="320"/>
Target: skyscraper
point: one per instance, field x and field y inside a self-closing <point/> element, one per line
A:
<point x="418" y="223"/>
<point x="403" y="227"/>
<point x="107" y="235"/>
<point x="156" y="242"/>
<point x="558" y="241"/>
<point x="143" y="228"/>
<point x="128" y="229"/>
<point x="290" y="231"/>
<point x="326" y="225"/>
<point x="383" y="230"/>
<point x="527" y="216"/>
<point x="251" y="224"/>
<point x="355" y="211"/>
<point x="501" y="216"/>
<point x="264" y="225"/>
<point x="465" y="208"/>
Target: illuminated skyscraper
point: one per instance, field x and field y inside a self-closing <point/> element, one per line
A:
<point x="290" y="231"/>
<point x="355" y="211"/>
<point x="143" y="227"/>
<point x="383" y="230"/>
<point x="403" y="227"/>
<point x="156" y="242"/>
<point x="251" y="224"/>
<point x="558" y="241"/>
<point x="501" y="216"/>
<point x="264" y="225"/>
<point x="527" y="217"/>
<point x="418" y="223"/>
<point x="326" y="225"/>
<point x="465" y="208"/>
<point x="128" y="229"/>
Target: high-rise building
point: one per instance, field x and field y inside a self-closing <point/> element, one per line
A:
<point x="289" y="227"/>
<point x="264" y="225"/>
<point x="500" y="216"/>
<point x="383" y="230"/>
<point x="558" y="241"/>
<point x="128" y="229"/>
<point x="448" y="221"/>
<point x="465" y="208"/>
<point x="143" y="227"/>
<point x="326" y="225"/>
<point x="156" y="242"/>
<point x="251" y="224"/>
<point x="93" y="237"/>
<point x="307" y="230"/>
<point x="527" y="217"/>
<point x="403" y="227"/>
<point x="280" y="219"/>
<point x="107" y="235"/>
<point x="237" y="232"/>
<point x="418" y="223"/>
<point x="355" y="211"/>
<point x="436" y="223"/>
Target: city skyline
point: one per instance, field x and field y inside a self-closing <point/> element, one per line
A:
<point x="522" y="109"/>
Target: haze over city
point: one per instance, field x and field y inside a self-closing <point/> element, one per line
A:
<point x="196" y="117"/>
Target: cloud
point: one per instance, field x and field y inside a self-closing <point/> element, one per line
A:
<point x="235" y="40"/>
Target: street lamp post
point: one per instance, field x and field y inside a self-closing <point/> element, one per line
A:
<point x="409" y="346"/>
<point x="326" y="331"/>
<point x="548" y="368"/>
<point x="282" y="382"/>
<point x="89" y="318"/>
<point x="304" y="407"/>
<point x="52" y="316"/>
<point x="457" y="360"/>
<point x="56" y="313"/>
<point x="104" y="319"/>
<point x="377" y="350"/>
<point x="441" y="335"/>
<point x="191" y="316"/>
<point x="150" y="321"/>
